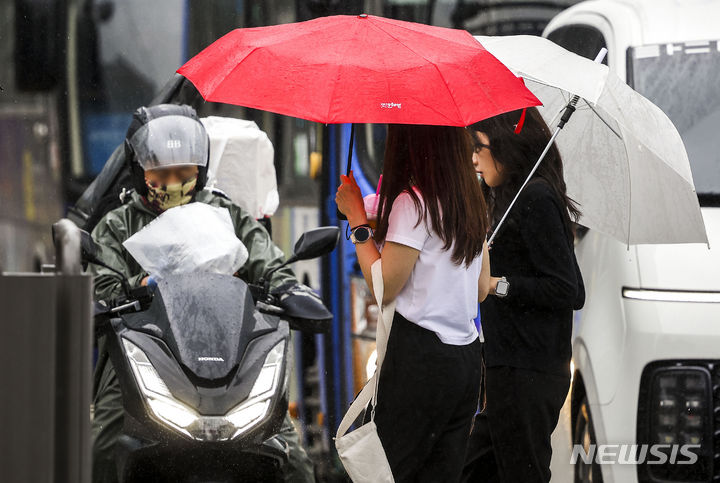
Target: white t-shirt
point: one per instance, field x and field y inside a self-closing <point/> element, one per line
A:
<point x="439" y="295"/>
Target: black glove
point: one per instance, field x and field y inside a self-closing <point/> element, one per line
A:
<point x="304" y="310"/>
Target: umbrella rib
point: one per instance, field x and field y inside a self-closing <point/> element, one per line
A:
<point x="380" y="20"/>
<point x="337" y="76"/>
<point x="429" y="62"/>
<point x="602" y="119"/>
<point x="457" y="110"/>
<point x="237" y="65"/>
<point x="627" y="162"/>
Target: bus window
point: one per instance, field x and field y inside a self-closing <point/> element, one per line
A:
<point x="124" y="61"/>
<point x="370" y="148"/>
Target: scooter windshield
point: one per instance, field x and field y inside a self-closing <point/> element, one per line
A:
<point x="207" y="320"/>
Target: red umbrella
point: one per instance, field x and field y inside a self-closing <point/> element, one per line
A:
<point x="358" y="69"/>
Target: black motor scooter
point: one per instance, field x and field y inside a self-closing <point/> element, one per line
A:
<point x="201" y="361"/>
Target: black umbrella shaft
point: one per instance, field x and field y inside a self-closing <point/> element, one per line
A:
<point x="349" y="164"/>
<point x="569" y="109"/>
<point x="350" y="150"/>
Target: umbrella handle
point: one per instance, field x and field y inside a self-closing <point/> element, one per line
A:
<point x="349" y="164"/>
<point x="569" y="110"/>
<point x="571" y="106"/>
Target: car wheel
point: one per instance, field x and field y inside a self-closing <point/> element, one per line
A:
<point x="585" y="436"/>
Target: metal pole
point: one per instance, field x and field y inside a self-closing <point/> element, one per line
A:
<point x="67" y="239"/>
<point x="73" y="357"/>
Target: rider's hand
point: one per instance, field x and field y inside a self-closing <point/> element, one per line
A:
<point x="350" y="202"/>
<point x="144" y="281"/>
<point x="304" y="309"/>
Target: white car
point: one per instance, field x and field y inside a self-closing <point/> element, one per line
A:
<point x="646" y="352"/>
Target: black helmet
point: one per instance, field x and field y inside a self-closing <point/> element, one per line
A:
<point x="166" y="135"/>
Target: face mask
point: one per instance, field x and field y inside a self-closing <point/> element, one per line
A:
<point x="164" y="197"/>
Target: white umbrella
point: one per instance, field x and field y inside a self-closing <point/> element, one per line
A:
<point x="623" y="159"/>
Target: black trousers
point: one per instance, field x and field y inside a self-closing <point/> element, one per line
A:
<point x="427" y="398"/>
<point x="510" y="440"/>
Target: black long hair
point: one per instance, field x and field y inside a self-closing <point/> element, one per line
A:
<point x="437" y="161"/>
<point x="516" y="154"/>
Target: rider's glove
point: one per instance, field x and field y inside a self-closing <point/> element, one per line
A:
<point x="303" y="308"/>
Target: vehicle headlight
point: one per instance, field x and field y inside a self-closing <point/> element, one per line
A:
<point x="676" y="408"/>
<point x="246" y="416"/>
<point x="270" y="372"/>
<point x="174" y="413"/>
<point x="687" y="296"/>
<point x="158" y="396"/>
<point x="207" y="428"/>
<point x="252" y="411"/>
<point x="145" y="373"/>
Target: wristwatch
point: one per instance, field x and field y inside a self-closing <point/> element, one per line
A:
<point x="361" y="234"/>
<point x="501" y="290"/>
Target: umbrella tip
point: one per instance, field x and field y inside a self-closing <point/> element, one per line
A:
<point x="362" y="15"/>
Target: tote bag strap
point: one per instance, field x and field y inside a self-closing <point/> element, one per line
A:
<point x="384" y="324"/>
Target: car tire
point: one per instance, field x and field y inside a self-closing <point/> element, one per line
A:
<point x="585" y="435"/>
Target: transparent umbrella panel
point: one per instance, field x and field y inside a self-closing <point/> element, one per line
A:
<point x="625" y="164"/>
<point x="624" y="160"/>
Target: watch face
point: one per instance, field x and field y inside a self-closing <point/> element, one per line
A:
<point x="502" y="288"/>
<point x="362" y="234"/>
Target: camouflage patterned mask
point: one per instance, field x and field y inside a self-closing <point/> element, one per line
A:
<point x="164" y="197"/>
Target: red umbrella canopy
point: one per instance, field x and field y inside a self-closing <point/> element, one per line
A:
<point x="358" y="69"/>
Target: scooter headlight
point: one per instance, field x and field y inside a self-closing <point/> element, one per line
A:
<point x="145" y="373"/>
<point x="270" y="372"/>
<point x="158" y="396"/>
<point x="172" y="412"/>
<point x="247" y="416"/>
<point x="209" y="428"/>
<point x="253" y="410"/>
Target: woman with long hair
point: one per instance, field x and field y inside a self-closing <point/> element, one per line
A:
<point x="534" y="288"/>
<point x="432" y="222"/>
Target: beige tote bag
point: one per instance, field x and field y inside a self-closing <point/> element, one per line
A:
<point x="361" y="451"/>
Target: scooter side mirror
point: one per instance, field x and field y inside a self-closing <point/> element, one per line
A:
<point x="317" y="242"/>
<point x="311" y="244"/>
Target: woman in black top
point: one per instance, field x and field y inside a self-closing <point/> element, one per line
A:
<point x="535" y="286"/>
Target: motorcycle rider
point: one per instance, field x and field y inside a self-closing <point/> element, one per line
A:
<point x="167" y="150"/>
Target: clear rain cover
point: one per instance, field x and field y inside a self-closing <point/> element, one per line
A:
<point x="188" y="238"/>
